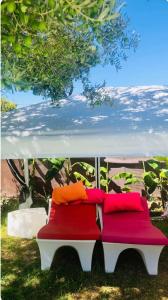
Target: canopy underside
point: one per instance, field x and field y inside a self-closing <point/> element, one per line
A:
<point x="133" y="123"/>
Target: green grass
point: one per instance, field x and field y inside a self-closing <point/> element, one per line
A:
<point x="22" y="278"/>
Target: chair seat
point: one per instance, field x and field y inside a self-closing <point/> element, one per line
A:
<point x="71" y="222"/>
<point x="132" y="228"/>
<point x="142" y="233"/>
<point x="62" y="232"/>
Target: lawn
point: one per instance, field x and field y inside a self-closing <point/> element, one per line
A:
<point x="22" y="278"/>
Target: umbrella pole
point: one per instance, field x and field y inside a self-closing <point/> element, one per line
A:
<point x="28" y="202"/>
<point x="26" y="171"/>
<point x="97" y="171"/>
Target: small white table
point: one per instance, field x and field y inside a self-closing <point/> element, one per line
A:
<point x="25" y="223"/>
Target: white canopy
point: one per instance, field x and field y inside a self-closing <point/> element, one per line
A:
<point x="133" y="123"/>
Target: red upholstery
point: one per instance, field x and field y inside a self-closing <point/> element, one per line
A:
<point x="131" y="228"/>
<point x="71" y="222"/>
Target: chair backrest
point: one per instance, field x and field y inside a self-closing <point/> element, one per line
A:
<point x="127" y="216"/>
<point x="70" y="213"/>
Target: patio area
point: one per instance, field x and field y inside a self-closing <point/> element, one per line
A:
<point x="84" y="155"/>
<point x="23" y="279"/>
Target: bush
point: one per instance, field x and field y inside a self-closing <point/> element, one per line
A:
<point x="7" y="105"/>
<point x="8" y="204"/>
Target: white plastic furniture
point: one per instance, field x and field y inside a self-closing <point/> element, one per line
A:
<point x="150" y="255"/>
<point x="25" y="223"/>
<point x="48" y="249"/>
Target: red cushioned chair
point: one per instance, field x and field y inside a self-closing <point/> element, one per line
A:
<point x="69" y="225"/>
<point x="124" y="230"/>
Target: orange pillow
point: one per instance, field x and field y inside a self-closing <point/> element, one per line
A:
<point x="69" y="193"/>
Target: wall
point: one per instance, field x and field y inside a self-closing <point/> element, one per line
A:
<point x="10" y="187"/>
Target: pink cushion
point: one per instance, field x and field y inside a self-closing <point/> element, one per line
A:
<point x="71" y="222"/>
<point x="126" y="216"/>
<point x="95" y="196"/>
<point x="122" y="202"/>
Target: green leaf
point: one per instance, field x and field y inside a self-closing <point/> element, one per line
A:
<point x="161" y="159"/>
<point x="103" y="169"/>
<point x="92" y="4"/>
<point x="123" y="175"/>
<point x="23" y="8"/>
<point x="51" y="3"/>
<point x="28" y="2"/>
<point x="11" y="39"/>
<point x="149" y="173"/>
<point x="4" y="20"/>
<point x="3" y="6"/>
<point x="152" y="189"/>
<point x="17" y="48"/>
<point x="104" y="13"/>
<point x="51" y="174"/>
<point x="113" y="17"/>
<point x="153" y="164"/>
<point x="57" y="165"/>
<point x="11" y="7"/>
<point x="150" y="183"/>
<point x="83" y="179"/>
<point x="42" y="26"/>
<point x="26" y="19"/>
<point x="27" y="41"/>
<point x="164" y="173"/>
<point x="87" y="167"/>
<point x="57" y="162"/>
<point x="85" y="3"/>
<point x="131" y="181"/>
<point x="117" y="176"/>
<point x="103" y="182"/>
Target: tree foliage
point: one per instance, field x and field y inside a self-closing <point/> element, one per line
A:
<point x="50" y="68"/>
<point x="7" y="105"/>
<point x="46" y="45"/>
<point x="25" y="20"/>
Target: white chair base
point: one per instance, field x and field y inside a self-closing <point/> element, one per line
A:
<point x="49" y="247"/>
<point x="149" y="253"/>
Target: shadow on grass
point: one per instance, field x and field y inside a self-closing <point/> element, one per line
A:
<point x="22" y="278"/>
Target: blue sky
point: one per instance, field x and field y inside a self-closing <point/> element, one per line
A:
<point x="147" y="66"/>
